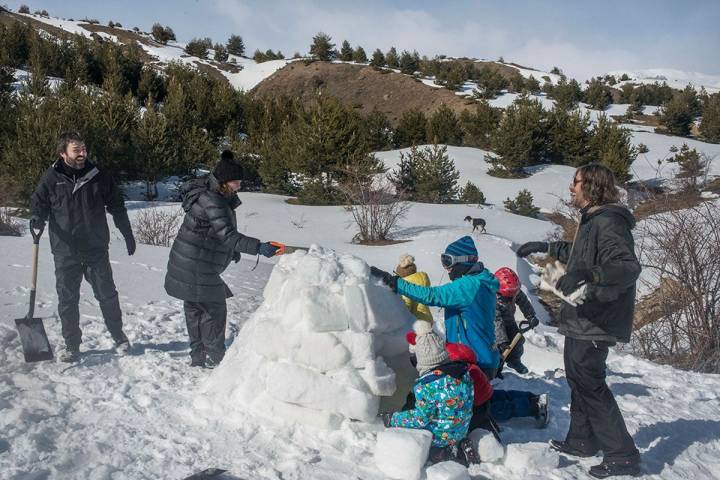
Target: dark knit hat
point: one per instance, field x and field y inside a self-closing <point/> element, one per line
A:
<point x="227" y="168"/>
<point x="462" y="246"/>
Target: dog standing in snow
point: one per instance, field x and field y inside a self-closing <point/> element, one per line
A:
<point x="476" y="222"/>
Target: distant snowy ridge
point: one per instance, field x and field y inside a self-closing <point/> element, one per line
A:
<point x="674" y="78"/>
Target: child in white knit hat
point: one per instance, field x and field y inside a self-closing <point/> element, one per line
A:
<point x="443" y="394"/>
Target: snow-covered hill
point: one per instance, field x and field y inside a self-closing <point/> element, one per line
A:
<point x="674" y="78"/>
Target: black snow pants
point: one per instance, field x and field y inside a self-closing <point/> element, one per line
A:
<point x="206" y="329"/>
<point x="69" y="272"/>
<point x="594" y="414"/>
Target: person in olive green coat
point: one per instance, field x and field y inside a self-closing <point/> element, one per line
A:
<point x="407" y="269"/>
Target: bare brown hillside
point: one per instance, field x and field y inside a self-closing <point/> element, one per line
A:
<point x="361" y="87"/>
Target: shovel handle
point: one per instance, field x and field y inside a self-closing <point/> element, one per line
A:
<point x="514" y="342"/>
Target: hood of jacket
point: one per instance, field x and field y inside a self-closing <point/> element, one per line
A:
<point x="612" y="209"/>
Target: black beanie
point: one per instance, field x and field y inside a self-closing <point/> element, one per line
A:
<point x="227" y="168"/>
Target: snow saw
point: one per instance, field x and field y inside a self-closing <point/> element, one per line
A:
<point x="285" y="249"/>
<point x="35" y="344"/>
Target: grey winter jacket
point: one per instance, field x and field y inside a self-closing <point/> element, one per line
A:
<point x="505" y="326"/>
<point x="604" y="244"/>
<point x="75" y="210"/>
<point x="206" y="243"/>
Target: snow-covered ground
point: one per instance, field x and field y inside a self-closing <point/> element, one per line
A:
<point x="149" y="415"/>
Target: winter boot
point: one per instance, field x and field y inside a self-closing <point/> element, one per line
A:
<point x="467" y="452"/>
<point x="611" y="468"/>
<point x="576" y="448"/>
<point x="211" y="364"/>
<point x="542" y="417"/>
<point x="518" y="366"/>
<point x="70" y="354"/>
<point x="123" y="348"/>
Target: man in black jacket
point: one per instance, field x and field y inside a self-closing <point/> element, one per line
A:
<point x="602" y="256"/>
<point x="73" y="195"/>
<point x="206" y="243"/>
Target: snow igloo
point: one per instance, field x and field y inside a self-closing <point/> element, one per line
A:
<point x="327" y="344"/>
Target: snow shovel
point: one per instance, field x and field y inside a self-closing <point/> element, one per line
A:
<point x="35" y="344"/>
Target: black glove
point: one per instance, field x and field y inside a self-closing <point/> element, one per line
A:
<point x="570" y="282"/>
<point x="386" y="417"/>
<point x="236" y="256"/>
<point x="532" y="247"/>
<point x="388" y="279"/>
<point x="37" y="224"/>
<point x="267" y="249"/>
<point x="503" y="346"/>
<point x="130" y="243"/>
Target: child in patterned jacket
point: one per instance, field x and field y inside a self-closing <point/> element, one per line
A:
<point x="443" y="395"/>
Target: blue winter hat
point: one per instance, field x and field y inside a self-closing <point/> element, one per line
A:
<point x="462" y="246"/>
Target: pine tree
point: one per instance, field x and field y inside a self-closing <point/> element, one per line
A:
<point x="636" y="107"/>
<point x="151" y="85"/>
<point x="677" y="115"/>
<point x="346" y="52"/>
<point x="378" y="58"/>
<point x="324" y="143"/>
<point x="444" y="127"/>
<point x="37" y="84"/>
<point x="479" y="126"/>
<point x="522" y="204"/>
<point x="391" y="58"/>
<point x="162" y="34"/>
<point x="453" y="77"/>
<point x="710" y="124"/>
<point x="472" y="194"/>
<point x="597" y="95"/>
<point x="235" y="45"/>
<point x="570" y="136"/>
<point x="427" y="175"/>
<point x="411" y="129"/>
<point x="692" y="166"/>
<point x="567" y="94"/>
<point x="532" y="85"/>
<point x="378" y="131"/>
<point x="408" y="63"/>
<point x="611" y="146"/>
<point x="521" y="139"/>
<point x="359" y="55"/>
<point x="322" y="47"/>
<point x="198" y="47"/>
<point x="153" y="152"/>
<point x="221" y="53"/>
<point x="490" y="83"/>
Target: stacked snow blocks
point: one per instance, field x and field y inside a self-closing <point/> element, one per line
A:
<point x="314" y="352"/>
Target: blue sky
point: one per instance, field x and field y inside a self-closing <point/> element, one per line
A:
<point x="584" y="38"/>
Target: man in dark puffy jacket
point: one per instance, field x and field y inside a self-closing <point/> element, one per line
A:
<point x="602" y="256"/>
<point x="206" y="243"/>
<point x="74" y="194"/>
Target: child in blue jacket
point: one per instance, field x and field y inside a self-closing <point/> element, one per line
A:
<point x="469" y="301"/>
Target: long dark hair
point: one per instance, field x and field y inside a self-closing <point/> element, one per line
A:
<point x="598" y="184"/>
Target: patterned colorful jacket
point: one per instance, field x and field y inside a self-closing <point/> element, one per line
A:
<point x="443" y="404"/>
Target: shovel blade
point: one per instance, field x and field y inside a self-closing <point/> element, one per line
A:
<point x="35" y="343"/>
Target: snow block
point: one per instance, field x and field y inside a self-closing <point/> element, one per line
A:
<point x="360" y="345"/>
<point x="537" y="456"/>
<point x="447" y="471"/>
<point x="296" y="384"/>
<point x="487" y="446"/>
<point x="379" y="377"/>
<point x="401" y="453"/>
